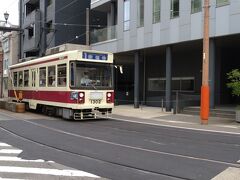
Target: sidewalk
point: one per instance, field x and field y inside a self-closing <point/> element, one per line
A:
<point x="155" y="116"/>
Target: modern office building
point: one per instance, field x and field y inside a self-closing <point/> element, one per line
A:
<point x="159" y="44"/>
<point x="49" y="23"/>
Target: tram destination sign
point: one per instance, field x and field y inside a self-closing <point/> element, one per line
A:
<point x="94" y="56"/>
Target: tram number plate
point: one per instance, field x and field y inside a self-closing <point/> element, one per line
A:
<point x="95" y="101"/>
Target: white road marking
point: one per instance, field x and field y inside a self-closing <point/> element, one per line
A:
<point x="4" y="145"/>
<point x="34" y="170"/>
<point x="43" y="171"/>
<point x="9" y="179"/>
<point x="17" y="159"/>
<point x="10" y="151"/>
<point x="178" y="127"/>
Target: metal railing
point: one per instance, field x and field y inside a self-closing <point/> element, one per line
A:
<point x="103" y="34"/>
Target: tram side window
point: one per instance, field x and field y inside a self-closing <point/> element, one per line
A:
<point x="20" y="79"/>
<point x="15" y="77"/>
<point x="26" y="78"/>
<point x="42" y="77"/>
<point x="51" y="76"/>
<point x="62" y="69"/>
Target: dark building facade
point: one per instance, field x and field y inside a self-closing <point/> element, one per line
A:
<point x="49" y="23"/>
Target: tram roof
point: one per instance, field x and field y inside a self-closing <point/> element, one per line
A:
<point x="54" y="56"/>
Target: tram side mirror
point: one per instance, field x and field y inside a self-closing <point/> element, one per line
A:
<point x="120" y="68"/>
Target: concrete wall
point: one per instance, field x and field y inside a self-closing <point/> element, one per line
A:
<point x="186" y="27"/>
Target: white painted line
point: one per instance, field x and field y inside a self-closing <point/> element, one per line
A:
<point x="43" y="171"/>
<point x="9" y="179"/>
<point x="179" y="127"/>
<point x="10" y="151"/>
<point x="17" y="159"/>
<point x="4" y="145"/>
<point x="227" y="126"/>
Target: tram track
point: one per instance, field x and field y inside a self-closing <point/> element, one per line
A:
<point x="91" y="157"/>
<point x="109" y="143"/>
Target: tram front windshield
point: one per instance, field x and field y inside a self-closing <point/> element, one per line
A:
<point x="91" y="75"/>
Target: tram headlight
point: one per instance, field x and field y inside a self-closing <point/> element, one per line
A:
<point x="81" y="94"/>
<point x="81" y="97"/>
<point x="110" y="97"/>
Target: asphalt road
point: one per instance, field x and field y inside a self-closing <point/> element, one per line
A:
<point x="122" y="150"/>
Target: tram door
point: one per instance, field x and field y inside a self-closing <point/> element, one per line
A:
<point x="34" y="88"/>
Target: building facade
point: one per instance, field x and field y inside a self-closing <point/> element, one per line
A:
<point x="49" y="23"/>
<point x="1" y="69"/>
<point x="159" y="45"/>
<point x="10" y="55"/>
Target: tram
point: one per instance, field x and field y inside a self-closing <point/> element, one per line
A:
<point x="73" y="84"/>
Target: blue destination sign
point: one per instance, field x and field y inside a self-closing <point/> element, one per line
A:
<point x="94" y="56"/>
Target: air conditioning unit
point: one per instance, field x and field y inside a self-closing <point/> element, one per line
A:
<point x="66" y="47"/>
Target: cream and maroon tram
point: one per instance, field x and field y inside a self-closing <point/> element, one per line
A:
<point x="74" y="84"/>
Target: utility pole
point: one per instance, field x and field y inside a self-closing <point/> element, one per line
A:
<point x="87" y="27"/>
<point x="205" y="91"/>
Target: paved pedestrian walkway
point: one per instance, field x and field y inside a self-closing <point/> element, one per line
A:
<point x="157" y="116"/>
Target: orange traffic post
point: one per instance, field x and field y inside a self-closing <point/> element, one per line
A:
<point x="205" y="95"/>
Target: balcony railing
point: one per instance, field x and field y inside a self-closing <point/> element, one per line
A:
<point x="104" y="34"/>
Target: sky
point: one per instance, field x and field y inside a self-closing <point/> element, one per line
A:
<point x="11" y="6"/>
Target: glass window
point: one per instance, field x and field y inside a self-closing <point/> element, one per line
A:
<point x="196" y="6"/>
<point x="156" y="84"/>
<point x="51" y="76"/>
<point x="187" y="84"/>
<point x="140" y="13"/>
<point x="92" y="75"/>
<point x="26" y="78"/>
<point x="62" y="69"/>
<point x="174" y="8"/>
<point x="15" y="78"/>
<point x="222" y="2"/>
<point x="20" y="79"/>
<point x="126" y="23"/>
<point x="42" y="77"/>
<point x="33" y="77"/>
<point x="178" y="84"/>
<point x="156" y="11"/>
<point x="72" y="75"/>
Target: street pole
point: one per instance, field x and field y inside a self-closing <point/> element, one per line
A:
<point x="87" y="27"/>
<point x="205" y="91"/>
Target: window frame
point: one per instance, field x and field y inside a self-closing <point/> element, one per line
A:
<point x="156" y="12"/>
<point x="20" y="77"/>
<point x="172" y="11"/>
<point x="24" y="77"/>
<point x="15" y="79"/>
<point x="44" y="78"/>
<point x="140" y="13"/>
<point x="196" y="9"/>
<point x="220" y="4"/>
<point x="126" y="15"/>
<point x="60" y="80"/>
<point x="52" y="76"/>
